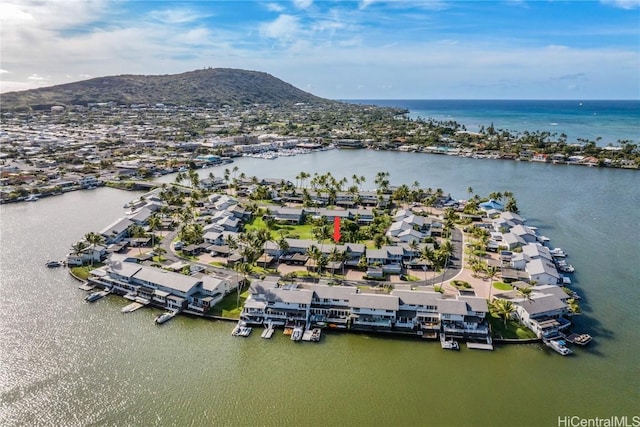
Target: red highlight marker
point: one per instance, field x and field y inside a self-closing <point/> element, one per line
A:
<point x="336" y="229"/>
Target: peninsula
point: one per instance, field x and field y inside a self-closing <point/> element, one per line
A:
<point x="314" y="254"/>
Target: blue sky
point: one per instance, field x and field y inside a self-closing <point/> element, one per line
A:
<point x="337" y="49"/>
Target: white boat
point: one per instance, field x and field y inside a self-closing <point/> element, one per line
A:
<point x="31" y="198"/>
<point x="557" y="253"/>
<point x="94" y="296"/>
<point x="558" y="346"/>
<point x="163" y="317"/>
<point x="296" y="335"/>
<point x="566" y="268"/>
<point x="54" y="264"/>
<point x="315" y="334"/>
<point x="448" y="344"/>
<point x="580" y="339"/>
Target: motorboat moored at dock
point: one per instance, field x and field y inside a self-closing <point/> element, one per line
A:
<point x="558" y="253"/>
<point x="559" y="346"/>
<point x="579" y="339"/>
<point x="297" y="333"/>
<point x="95" y="296"/>
<point x="164" y="317"/>
<point x="448" y="344"/>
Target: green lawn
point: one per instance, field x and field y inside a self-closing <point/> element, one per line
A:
<point x="512" y="330"/>
<point x="82" y="272"/>
<point x="502" y="286"/>
<point x="293" y="231"/>
<point x="228" y="306"/>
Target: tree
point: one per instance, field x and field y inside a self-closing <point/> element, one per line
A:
<point x="491" y="273"/>
<point x="79" y="247"/>
<point x="413" y="245"/>
<point x="334" y="256"/>
<point x="315" y="254"/>
<point x="511" y="206"/>
<point x="159" y="250"/>
<point x="503" y="308"/>
<point x="427" y="254"/>
<point x="94" y="239"/>
<point x="154" y="224"/>
<point x="525" y="292"/>
<point x="245" y="269"/>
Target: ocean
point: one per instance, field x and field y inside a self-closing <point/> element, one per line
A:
<point x="611" y="121"/>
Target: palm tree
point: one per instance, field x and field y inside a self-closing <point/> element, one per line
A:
<point x="427" y="255"/>
<point x="314" y="253"/>
<point x="491" y="273"/>
<point x="159" y="250"/>
<point x="79" y="247"/>
<point x="470" y="191"/>
<point x="154" y="224"/>
<point x="334" y="256"/>
<point x="503" y="308"/>
<point x="413" y="245"/>
<point x="525" y="292"/>
<point x="94" y="239"/>
<point x="245" y="269"/>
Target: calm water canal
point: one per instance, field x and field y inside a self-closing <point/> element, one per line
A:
<point x="66" y="362"/>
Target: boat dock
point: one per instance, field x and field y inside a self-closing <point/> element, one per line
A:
<point x="579" y="339"/>
<point x="86" y="287"/>
<point x="479" y="346"/>
<point x="241" y="330"/>
<point x="132" y="307"/>
<point x="268" y="331"/>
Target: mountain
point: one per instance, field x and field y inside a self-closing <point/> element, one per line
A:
<point x="217" y="86"/>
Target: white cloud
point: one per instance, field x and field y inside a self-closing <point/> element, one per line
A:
<point x="36" y="77"/>
<point x="3" y="71"/>
<point x="302" y="4"/>
<point x="274" y="7"/>
<point x="366" y="3"/>
<point x="284" y="28"/>
<point x="175" y="16"/>
<point x="624" y="4"/>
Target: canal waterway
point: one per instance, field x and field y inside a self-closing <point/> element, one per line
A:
<point x="67" y="362"/>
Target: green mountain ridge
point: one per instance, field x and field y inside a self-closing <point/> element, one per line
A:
<point x="215" y="86"/>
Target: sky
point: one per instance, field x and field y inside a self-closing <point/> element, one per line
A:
<point x="368" y="49"/>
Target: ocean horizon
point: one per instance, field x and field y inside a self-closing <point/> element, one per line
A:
<point x="603" y="121"/>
